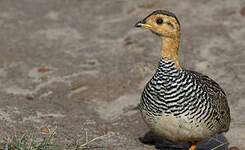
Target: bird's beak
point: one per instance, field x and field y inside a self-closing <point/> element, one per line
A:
<point x="141" y="24"/>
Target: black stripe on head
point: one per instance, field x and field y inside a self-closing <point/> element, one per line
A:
<point x="164" y="12"/>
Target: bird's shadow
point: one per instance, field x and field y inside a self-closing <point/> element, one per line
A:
<point x="218" y="142"/>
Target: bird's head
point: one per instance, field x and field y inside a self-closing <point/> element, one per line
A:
<point x="162" y="23"/>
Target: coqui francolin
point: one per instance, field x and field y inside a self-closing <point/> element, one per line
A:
<point x="178" y="104"/>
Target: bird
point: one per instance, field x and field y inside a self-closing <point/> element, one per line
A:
<point x="178" y="104"/>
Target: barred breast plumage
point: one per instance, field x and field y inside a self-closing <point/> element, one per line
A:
<point x="178" y="104"/>
<point x="192" y="98"/>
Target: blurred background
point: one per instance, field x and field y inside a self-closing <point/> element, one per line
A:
<point x="79" y="66"/>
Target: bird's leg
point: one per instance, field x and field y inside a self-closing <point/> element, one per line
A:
<point x="193" y="145"/>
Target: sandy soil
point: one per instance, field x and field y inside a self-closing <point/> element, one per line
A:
<point x="80" y="65"/>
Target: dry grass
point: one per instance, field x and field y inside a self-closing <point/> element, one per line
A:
<point x="43" y="141"/>
<point x="28" y="142"/>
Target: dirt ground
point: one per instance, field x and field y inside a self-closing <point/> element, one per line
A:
<point x="80" y="65"/>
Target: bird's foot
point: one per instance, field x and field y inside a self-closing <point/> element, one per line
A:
<point x="193" y="146"/>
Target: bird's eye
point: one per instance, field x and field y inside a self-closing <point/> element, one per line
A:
<point x="159" y="21"/>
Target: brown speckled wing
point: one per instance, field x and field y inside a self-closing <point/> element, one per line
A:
<point x="218" y="100"/>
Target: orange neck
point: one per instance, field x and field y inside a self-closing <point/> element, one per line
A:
<point x="170" y="48"/>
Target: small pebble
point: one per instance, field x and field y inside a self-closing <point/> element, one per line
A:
<point x="43" y="70"/>
<point x="29" y="98"/>
<point x="243" y="11"/>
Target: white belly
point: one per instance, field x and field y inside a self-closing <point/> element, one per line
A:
<point x="176" y="129"/>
